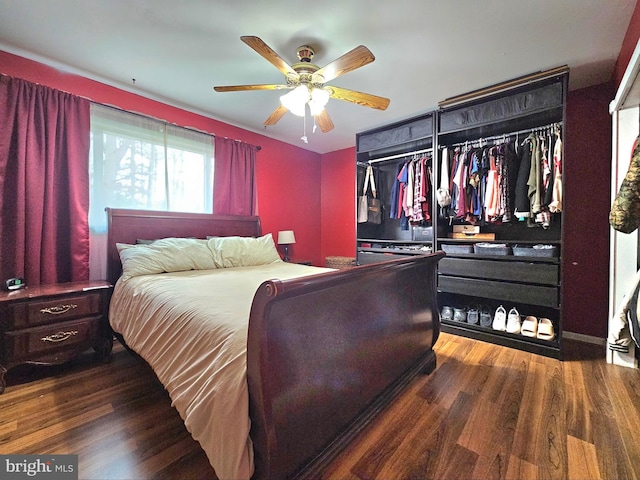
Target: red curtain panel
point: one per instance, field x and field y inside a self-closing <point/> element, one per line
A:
<point x="44" y="183"/>
<point x="234" y="185"/>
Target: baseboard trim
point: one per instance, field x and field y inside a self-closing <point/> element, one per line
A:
<point x="580" y="337"/>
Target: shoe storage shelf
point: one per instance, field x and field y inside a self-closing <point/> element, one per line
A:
<point x="514" y="263"/>
<point x="525" y="286"/>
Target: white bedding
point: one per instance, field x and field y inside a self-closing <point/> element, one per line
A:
<point x="191" y="327"/>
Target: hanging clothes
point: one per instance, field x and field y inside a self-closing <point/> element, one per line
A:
<point x="522" y="203"/>
<point x="624" y="326"/>
<point x="421" y="211"/>
<point x="556" y="201"/>
<point x="533" y="181"/>
<point x="508" y="180"/>
<point x="454" y="187"/>
<point x="492" y="199"/>
<point x="399" y="195"/>
<point x="510" y="165"/>
<point x="625" y="211"/>
<point x="474" y="212"/>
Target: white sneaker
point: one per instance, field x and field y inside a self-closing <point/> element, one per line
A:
<point x="513" y="321"/>
<point x="500" y="319"/>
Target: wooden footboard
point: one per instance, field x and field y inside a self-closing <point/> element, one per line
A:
<point x="327" y="352"/>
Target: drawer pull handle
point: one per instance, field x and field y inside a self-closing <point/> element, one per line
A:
<point x="59" y="337"/>
<point x="59" y="309"/>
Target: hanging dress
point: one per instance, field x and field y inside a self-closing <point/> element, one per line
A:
<point x="556" y="198"/>
<point x="492" y="195"/>
<point x="522" y="205"/>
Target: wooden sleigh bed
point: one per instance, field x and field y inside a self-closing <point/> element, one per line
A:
<point x="325" y="353"/>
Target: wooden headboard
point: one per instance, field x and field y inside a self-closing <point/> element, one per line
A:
<point x="127" y="226"/>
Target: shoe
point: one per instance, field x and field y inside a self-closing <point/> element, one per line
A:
<point x="545" y="329"/>
<point x="473" y="315"/>
<point x="485" y="316"/>
<point x="529" y="326"/>
<point x="500" y="319"/>
<point x="447" y="313"/>
<point x="459" y="314"/>
<point x="513" y="321"/>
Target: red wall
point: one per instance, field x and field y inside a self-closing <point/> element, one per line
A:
<point x="288" y="176"/>
<point x="338" y="215"/>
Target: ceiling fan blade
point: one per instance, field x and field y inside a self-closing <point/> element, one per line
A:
<point x="276" y="115"/>
<point x="324" y="121"/>
<point x="364" y="99"/>
<point x="356" y="58"/>
<point x="263" y="49"/>
<point x="241" y="88"/>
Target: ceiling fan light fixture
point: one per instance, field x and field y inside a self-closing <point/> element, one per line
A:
<point x="296" y="99"/>
<point x="319" y="99"/>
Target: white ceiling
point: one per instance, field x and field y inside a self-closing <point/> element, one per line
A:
<point x="426" y="50"/>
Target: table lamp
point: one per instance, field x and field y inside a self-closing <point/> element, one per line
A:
<point x="286" y="238"/>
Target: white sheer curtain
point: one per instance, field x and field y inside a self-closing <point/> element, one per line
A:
<point x="142" y="163"/>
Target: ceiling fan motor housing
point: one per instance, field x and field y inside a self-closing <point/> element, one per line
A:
<point x="305" y="53"/>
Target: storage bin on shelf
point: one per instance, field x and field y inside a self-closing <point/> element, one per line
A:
<point x="492" y="249"/>
<point x="546" y="251"/>
<point x="457" y="248"/>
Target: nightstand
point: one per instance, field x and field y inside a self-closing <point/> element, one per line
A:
<point x="51" y="324"/>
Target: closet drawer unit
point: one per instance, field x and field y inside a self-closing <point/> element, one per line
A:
<point x="57" y="309"/>
<point x="524" y="272"/>
<point x="508" y="292"/>
<point x="64" y="338"/>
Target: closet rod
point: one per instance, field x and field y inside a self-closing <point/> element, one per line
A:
<point x="399" y="155"/>
<point x="504" y="135"/>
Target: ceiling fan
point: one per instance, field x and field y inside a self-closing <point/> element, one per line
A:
<point x="307" y="83"/>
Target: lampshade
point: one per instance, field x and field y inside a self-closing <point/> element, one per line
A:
<point x="286" y="237"/>
<point x="319" y="99"/>
<point x="296" y="100"/>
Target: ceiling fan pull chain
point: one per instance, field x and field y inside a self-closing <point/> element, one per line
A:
<point x="304" y="127"/>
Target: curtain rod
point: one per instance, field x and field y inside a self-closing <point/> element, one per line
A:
<point x="504" y="135"/>
<point x="149" y="117"/>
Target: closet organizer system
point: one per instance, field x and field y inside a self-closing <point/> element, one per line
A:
<point x="497" y="154"/>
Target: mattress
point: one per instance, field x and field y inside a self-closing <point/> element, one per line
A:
<point x="191" y="327"/>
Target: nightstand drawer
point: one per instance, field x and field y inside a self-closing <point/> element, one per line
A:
<point x="55" y="309"/>
<point x="37" y="341"/>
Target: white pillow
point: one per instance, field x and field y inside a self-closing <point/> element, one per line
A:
<point x="243" y="251"/>
<point x="165" y="255"/>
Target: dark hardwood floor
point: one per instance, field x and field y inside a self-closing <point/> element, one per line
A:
<point x="487" y="412"/>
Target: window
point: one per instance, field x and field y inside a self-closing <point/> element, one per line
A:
<point x="141" y="163"/>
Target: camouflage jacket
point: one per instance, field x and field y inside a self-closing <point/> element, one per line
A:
<point x="625" y="211"/>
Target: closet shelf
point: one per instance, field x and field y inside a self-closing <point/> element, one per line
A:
<point x="403" y="251"/>
<point x="528" y="344"/>
<point x="507" y="241"/>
